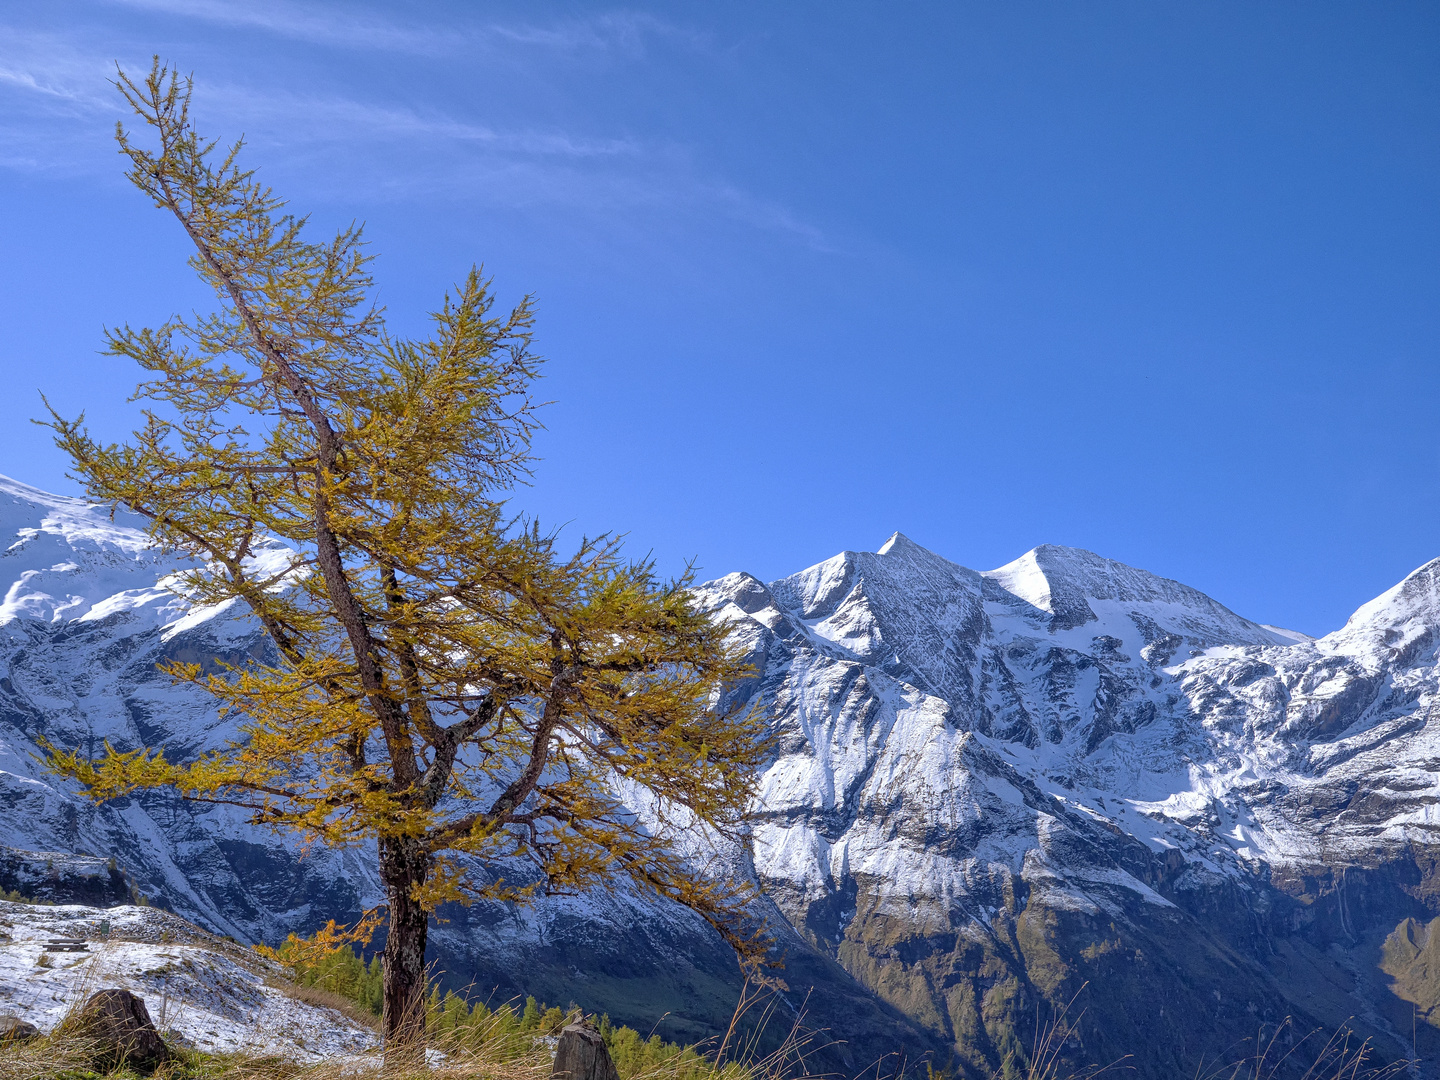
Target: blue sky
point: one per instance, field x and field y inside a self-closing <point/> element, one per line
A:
<point x="1159" y="280"/>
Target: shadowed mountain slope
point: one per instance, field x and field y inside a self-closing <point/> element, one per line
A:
<point x="991" y="790"/>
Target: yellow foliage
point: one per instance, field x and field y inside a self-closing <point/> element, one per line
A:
<point x="445" y="680"/>
<point x="304" y="952"/>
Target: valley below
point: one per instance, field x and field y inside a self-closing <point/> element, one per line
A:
<point x="1064" y="786"/>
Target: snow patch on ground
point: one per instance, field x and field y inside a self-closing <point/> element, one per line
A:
<point x="217" y="996"/>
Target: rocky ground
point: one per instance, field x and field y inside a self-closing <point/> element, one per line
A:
<point x="202" y="991"/>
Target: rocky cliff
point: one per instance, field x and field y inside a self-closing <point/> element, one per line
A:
<point x="1065" y="781"/>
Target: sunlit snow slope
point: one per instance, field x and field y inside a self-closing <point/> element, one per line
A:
<point x="993" y="789"/>
<point x="990" y="790"/>
<point x="86" y="617"/>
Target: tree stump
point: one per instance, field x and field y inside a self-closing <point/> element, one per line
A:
<point x="582" y="1055"/>
<point x="118" y="1025"/>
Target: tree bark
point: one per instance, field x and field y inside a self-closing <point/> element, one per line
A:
<point x="404" y="863"/>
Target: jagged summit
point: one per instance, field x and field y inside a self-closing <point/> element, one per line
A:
<point x="1061" y="772"/>
<point x="1068" y="582"/>
<point x="1065" y="588"/>
<point x="1047" y="574"/>
<point x="1398" y="617"/>
<point x="1134" y="757"/>
<point x="899" y="542"/>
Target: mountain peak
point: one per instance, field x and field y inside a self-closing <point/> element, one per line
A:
<point x="1067" y="581"/>
<point x="1046" y="574"/>
<point x="1055" y="579"/>
<point x="899" y="542"/>
<point x="1400" y="614"/>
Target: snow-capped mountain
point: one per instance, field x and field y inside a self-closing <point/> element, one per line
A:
<point x="993" y="793"/>
<point x="90" y="611"/>
<point x="994" y="788"/>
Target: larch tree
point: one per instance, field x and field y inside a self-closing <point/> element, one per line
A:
<point x="445" y="684"/>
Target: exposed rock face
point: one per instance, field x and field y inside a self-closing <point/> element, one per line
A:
<point x="63" y="877"/>
<point x="990" y="790"/>
<point x="995" y="788"/>
<point x="118" y="1024"/>
<point x="581" y="1054"/>
<point x="1411" y="956"/>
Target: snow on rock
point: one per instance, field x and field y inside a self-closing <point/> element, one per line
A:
<point x="215" y="995"/>
<point x="1067" y="582"/>
<point x="89" y="613"/>
<point x="948" y="741"/>
<point x="67" y="559"/>
<point x="937" y="724"/>
<point x="1076" y="733"/>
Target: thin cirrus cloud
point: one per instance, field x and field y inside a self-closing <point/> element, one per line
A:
<point x="55" y="104"/>
<point x="315" y="118"/>
<point x="620" y="32"/>
<point x="50" y="71"/>
<point x="58" y="110"/>
<point x="289" y="21"/>
<point x="50" y="78"/>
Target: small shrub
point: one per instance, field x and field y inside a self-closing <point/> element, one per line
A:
<point x="507" y="1036"/>
<point x="14" y="896"/>
<point x="342" y="972"/>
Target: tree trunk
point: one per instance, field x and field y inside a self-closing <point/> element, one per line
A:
<point x="403" y="865"/>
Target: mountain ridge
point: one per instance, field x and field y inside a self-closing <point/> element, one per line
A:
<point x="990" y="788"/>
<point x="1114" y="745"/>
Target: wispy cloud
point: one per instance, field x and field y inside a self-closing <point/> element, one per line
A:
<point x="54" y="68"/>
<point x="621" y="31"/>
<point x="332" y="119"/>
<point x="56" y="109"/>
<point x="761" y="214"/>
<point x="49" y="78"/>
<point x="27" y="80"/>
<point x="525" y="168"/>
<point x="348" y="26"/>
<point x="55" y="102"/>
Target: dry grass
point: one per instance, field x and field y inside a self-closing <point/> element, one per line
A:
<point x="507" y="1058"/>
<point x="485" y="1051"/>
<point x="1342" y="1057"/>
<point x="45" y="1059"/>
<point x="492" y="1051"/>
<point x="326" y="999"/>
<point x="1283" y="1055"/>
<point x="1047" y="1053"/>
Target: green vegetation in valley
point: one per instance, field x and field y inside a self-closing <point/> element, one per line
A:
<point x="1411" y="957"/>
